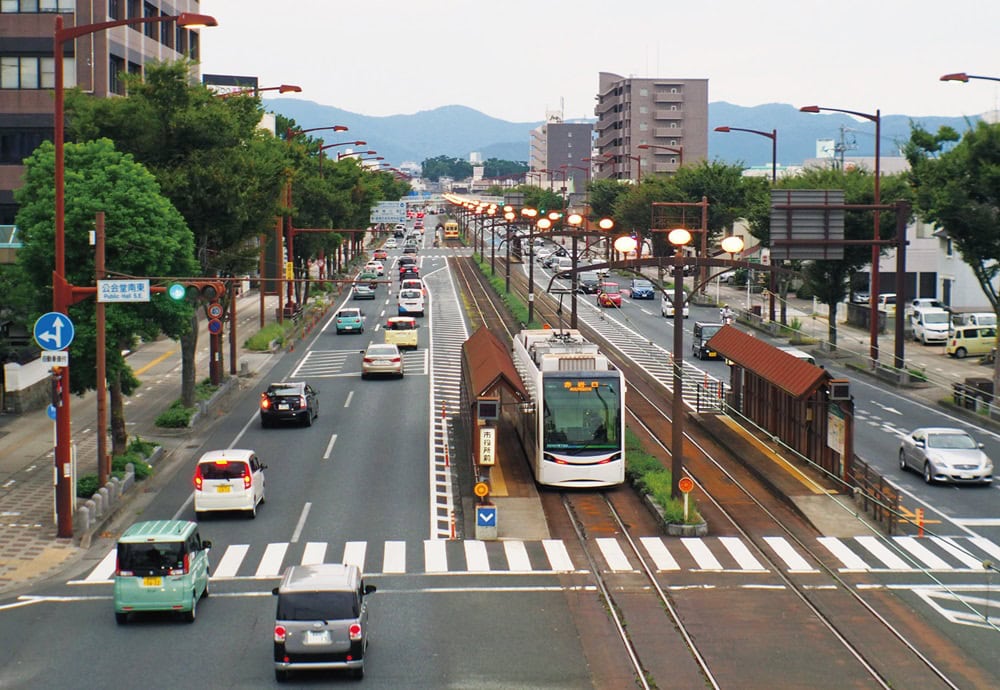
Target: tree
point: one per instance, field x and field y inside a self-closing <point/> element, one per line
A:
<point x="445" y="166"/>
<point x="957" y="187"/>
<point x="211" y="160"/>
<point x="145" y="235"/>
<point x="495" y="167"/>
<point x="603" y="196"/>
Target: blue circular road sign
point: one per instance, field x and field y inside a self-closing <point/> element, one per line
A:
<point x="54" y="331"/>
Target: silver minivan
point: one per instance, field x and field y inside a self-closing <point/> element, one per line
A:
<point x="322" y="619"/>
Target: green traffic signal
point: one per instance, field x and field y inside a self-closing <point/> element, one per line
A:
<point x="196" y="290"/>
<point x="176" y="292"/>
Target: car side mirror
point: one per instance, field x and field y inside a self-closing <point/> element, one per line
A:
<point x="263" y="466"/>
<point x="274" y="591"/>
<point x="206" y="544"/>
<point x="920" y="443"/>
<point x="361" y="352"/>
<point x="369" y="589"/>
<point x="980" y="446"/>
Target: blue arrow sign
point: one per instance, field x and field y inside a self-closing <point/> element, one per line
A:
<point x="486" y="516"/>
<point x="54" y="331"/>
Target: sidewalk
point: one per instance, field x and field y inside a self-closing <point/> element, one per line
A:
<point x="29" y="547"/>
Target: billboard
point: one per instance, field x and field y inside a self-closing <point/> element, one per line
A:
<point x="802" y="218"/>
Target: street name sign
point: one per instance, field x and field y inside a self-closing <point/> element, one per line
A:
<point x="123" y="290"/>
<point x="388" y="212"/>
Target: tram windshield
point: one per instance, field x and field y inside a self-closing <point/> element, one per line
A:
<point x="581" y="415"/>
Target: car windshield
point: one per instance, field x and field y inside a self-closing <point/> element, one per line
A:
<point x="222" y="470"/>
<point x="406" y="325"/>
<point x="936" y="317"/>
<point x="610" y="288"/>
<point x="345" y="314"/>
<point x="283" y="389"/>
<point x="155" y="558"/>
<point x="317" y="606"/>
<point x="410" y="294"/>
<point x="955" y="441"/>
<point x="382" y="350"/>
<point x="641" y="284"/>
<point x="580" y="419"/>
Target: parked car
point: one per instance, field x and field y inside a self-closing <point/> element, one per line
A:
<point x="943" y="454"/>
<point x="161" y="565"/>
<point x="609" y="295"/>
<point x="930" y="324"/>
<point x="381" y="359"/>
<point x="401" y="331"/>
<point x="971" y="340"/>
<point x="289" y="401"/>
<point x="321" y="621"/>
<point x="349" y="320"/>
<point x="640" y="288"/>
<point x="230" y="479"/>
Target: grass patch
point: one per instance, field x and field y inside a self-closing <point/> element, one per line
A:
<point x="517" y="306"/>
<point x="177" y="416"/>
<point x="262" y="339"/>
<point x="652" y="478"/>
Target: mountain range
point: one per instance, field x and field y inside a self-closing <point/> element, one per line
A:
<point x="457" y="130"/>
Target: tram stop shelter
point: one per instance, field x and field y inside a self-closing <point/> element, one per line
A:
<point x="490" y="386"/>
<point x="796" y="401"/>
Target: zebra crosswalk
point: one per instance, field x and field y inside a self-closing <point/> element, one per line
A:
<point x="553" y="556"/>
<point x="318" y="364"/>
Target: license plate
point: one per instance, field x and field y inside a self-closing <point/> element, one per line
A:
<point x="283" y="407"/>
<point x="223" y="489"/>
<point x="152" y="582"/>
<point x="317" y="637"/>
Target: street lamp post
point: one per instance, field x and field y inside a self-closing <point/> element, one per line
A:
<point x="963" y="77"/>
<point x="875" y="117"/>
<point x="323" y="147"/>
<point x="679" y="238"/>
<point x="679" y="150"/>
<point x="255" y="91"/>
<point x="61" y="290"/>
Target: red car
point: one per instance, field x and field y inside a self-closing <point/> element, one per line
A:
<point x="381" y="254"/>
<point x="609" y="295"/>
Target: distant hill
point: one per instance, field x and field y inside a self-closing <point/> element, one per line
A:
<point x="456" y="130"/>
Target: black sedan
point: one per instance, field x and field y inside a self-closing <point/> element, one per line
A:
<point x="293" y="400"/>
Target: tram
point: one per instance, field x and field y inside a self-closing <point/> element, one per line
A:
<point x="451" y="230"/>
<point x="574" y="429"/>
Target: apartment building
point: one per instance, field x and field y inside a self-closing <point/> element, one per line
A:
<point x="649" y="125"/>
<point x="558" y="150"/>
<point x="94" y="62"/>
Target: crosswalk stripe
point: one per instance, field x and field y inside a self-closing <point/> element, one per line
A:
<point x="739" y="551"/>
<point x="702" y="556"/>
<point x="435" y="556"/>
<point x="952" y="548"/>
<point x="517" y="556"/>
<point x="314" y="553"/>
<point x="105" y="569"/>
<point x="354" y="553"/>
<point x="476" y="559"/>
<point x="876" y="548"/>
<point x="921" y="553"/>
<point x="231" y="559"/>
<point x="791" y="557"/>
<point x="613" y="554"/>
<point x="657" y="550"/>
<point x="987" y="546"/>
<point x="270" y="564"/>
<point x="840" y="550"/>
<point x="394" y="557"/>
<point x="558" y="557"/>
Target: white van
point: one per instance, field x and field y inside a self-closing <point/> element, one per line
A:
<point x="974" y="319"/>
<point x="930" y="325"/>
<point x="799" y="354"/>
<point x="565" y="263"/>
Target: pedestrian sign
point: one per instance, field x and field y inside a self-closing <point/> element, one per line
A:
<point x="54" y="331"/>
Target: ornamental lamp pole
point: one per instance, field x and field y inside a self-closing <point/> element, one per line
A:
<point x="875" y="117"/>
<point x="963" y="77"/>
<point x="255" y="91"/>
<point x="323" y="147"/>
<point x="61" y="289"/>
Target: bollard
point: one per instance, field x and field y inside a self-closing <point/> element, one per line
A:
<point x="920" y="521"/>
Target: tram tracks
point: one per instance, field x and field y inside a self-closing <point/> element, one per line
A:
<point x="876" y="649"/>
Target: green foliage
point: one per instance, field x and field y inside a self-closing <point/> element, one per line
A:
<point x="175" y="417"/>
<point x="445" y="166"/>
<point x="517" y="306"/>
<point x="142" y="468"/>
<point x="143" y="448"/>
<point x="205" y="390"/>
<point x="261" y="340"/>
<point x="652" y="478"/>
<point x="87" y="486"/>
<point x="494" y="167"/>
<point x="603" y="196"/>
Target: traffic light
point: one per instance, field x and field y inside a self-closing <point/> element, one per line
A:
<point x="196" y="290"/>
<point x="57" y="386"/>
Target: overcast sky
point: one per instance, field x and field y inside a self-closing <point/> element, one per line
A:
<point x="516" y="59"/>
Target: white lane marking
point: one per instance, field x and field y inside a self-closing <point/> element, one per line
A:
<point x="517" y="556"/>
<point x="231" y="560"/>
<point x="476" y="559"/>
<point x="184" y="506"/>
<point x="699" y="550"/>
<point x="558" y="557"/>
<point x="435" y="557"/>
<point x="314" y="553"/>
<point x="354" y="554"/>
<point x="270" y="564"/>
<point x="253" y="418"/>
<point x="958" y="552"/>
<point x="987" y="546"/>
<point x="347" y="403"/>
<point x="922" y="553"/>
<point x="978" y="522"/>
<point x="302" y="522"/>
<point x="851" y="560"/>
<point x="105" y="569"/>
<point x="657" y="550"/>
<point x="791" y="557"/>
<point x="329" y="446"/>
<point x="738" y="550"/>
<point x="613" y="554"/>
<point x="876" y="548"/>
<point x="394" y="557"/>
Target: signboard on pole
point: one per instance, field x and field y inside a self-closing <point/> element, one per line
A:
<point x="388" y="212"/>
<point x="123" y="290"/>
<point x="797" y="233"/>
<point x="487" y="446"/>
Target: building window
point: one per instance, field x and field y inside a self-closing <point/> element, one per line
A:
<point x="135" y="12"/>
<point x="149" y="11"/>
<point x="16" y="145"/>
<point x="193" y="41"/>
<point x="949" y="247"/>
<point x="166" y="34"/>
<point x="180" y="39"/>
<point x="116" y="67"/>
<point x="36" y="6"/>
<point x="643" y="92"/>
<point x="643" y="110"/>
<point x="21" y="72"/>
<point x="114" y="9"/>
<point x="643" y="126"/>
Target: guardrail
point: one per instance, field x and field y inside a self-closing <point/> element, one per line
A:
<point x="875" y="496"/>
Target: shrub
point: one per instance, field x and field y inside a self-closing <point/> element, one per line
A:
<point x="204" y="390"/>
<point x="175" y="417"/>
<point x="652" y="478"/>
<point x="142" y="468"/>
<point x="261" y="340"/>
<point x="143" y="448"/>
<point x="86" y="486"/>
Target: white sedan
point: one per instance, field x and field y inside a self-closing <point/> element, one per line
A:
<point x="943" y="454"/>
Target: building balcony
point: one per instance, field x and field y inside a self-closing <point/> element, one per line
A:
<point x="667" y="97"/>
<point x="668" y="114"/>
<point x="668" y="133"/>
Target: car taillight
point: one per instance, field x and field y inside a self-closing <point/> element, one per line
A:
<point x="368" y="360"/>
<point x="280" y="633"/>
<point x="395" y="359"/>
<point x="355" y="631"/>
<point x="198" y="479"/>
<point x="265" y="402"/>
<point x="119" y="571"/>
<point x="183" y="570"/>
<point x="247" y="479"/>
<point x="302" y="401"/>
